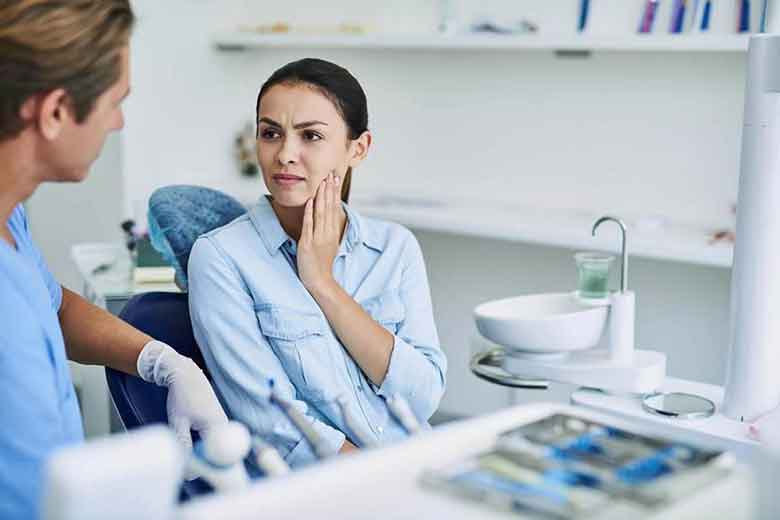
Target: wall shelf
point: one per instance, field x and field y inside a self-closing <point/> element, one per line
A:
<point x="567" y="229"/>
<point x="244" y="40"/>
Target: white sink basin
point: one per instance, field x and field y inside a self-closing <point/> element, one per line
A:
<point x="542" y="323"/>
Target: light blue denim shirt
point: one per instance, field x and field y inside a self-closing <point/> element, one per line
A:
<point x="254" y="320"/>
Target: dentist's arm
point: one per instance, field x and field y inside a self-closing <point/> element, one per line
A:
<point x="96" y="337"/>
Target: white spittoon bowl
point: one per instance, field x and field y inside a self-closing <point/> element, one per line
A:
<point x="542" y="323"/>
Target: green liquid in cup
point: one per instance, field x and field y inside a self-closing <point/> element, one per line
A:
<point x="593" y="282"/>
<point x="593" y="275"/>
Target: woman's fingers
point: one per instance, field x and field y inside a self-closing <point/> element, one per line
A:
<point x="331" y="189"/>
<point x="319" y="208"/>
<point x="336" y="212"/>
<point x="328" y="204"/>
<point x="307" y="230"/>
<point x="326" y="209"/>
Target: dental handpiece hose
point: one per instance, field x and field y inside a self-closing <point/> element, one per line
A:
<point x="218" y="456"/>
<point x="302" y="423"/>
<point x="364" y="439"/>
<point x="402" y="412"/>
<point x="268" y="459"/>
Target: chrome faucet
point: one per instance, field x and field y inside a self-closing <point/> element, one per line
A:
<point x="624" y="250"/>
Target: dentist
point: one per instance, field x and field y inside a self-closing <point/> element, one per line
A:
<point x="63" y="76"/>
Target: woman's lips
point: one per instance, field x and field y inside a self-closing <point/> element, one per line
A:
<point x="284" y="179"/>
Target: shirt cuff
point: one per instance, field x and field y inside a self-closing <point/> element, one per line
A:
<point x="402" y="363"/>
<point x="303" y="453"/>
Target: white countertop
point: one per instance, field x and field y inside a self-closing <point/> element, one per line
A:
<point x="648" y="238"/>
<point x="114" y="275"/>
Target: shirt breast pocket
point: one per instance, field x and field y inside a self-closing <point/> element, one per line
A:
<point x="387" y="309"/>
<point x="299" y="341"/>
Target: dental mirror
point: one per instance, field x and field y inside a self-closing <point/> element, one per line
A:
<point x="678" y="405"/>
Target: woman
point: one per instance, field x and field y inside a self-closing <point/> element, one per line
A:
<point x="306" y="292"/>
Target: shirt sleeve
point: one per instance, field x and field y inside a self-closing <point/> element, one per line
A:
<point x="418" y="367"/>
<point x="30" y="415"/>
<point x="54" y="287"/>
<point x="239" y="358"/>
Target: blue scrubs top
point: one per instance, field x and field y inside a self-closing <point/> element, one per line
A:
<point x="38" y="409"/>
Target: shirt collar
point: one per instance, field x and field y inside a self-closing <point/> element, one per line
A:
<point x="358" y="232"/>
<point x="267" y="225"/>
<point x="274" y="237"/>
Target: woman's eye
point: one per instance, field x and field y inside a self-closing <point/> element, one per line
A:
<point x="311" y="136"/>
<point x="269" y="134"/>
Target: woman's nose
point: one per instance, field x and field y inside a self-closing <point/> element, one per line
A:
<point x="288" y="153"/>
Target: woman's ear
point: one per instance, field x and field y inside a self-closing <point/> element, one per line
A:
<point x="359" y="149"/>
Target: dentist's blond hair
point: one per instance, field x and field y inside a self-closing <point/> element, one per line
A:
<point x="48" y="44"/>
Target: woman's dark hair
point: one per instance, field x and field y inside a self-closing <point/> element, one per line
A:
<point x="335" y="83"/>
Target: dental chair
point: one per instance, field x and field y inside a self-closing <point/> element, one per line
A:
<point x="178" y="215"/>
<point x="166" y="317"/>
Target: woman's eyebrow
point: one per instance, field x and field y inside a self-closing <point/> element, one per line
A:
<point x="305" y="124"/>
<point x="268" y="121"/>
<point x="296" y="126"/>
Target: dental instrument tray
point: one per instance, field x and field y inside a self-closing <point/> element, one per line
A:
<point x="568" y="467"/>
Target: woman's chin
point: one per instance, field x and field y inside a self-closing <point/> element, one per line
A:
<point x="289" y="200"/>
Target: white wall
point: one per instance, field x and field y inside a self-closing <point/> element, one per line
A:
<point x="629" y="133"/>
<point x="64" y="214"/>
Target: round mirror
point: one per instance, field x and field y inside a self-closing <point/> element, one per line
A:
<point x="488" y="365"/>
<point x="679" y="405"/>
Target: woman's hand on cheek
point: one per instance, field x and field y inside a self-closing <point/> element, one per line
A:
<point x="320" y="236"/>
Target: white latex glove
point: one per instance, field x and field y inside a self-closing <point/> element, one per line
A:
<point x="192" y="403"/>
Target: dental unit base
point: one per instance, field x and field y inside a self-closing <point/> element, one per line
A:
<point x="393" y="482"/>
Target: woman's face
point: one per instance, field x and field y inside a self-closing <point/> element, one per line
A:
<point x="301" y="139"/>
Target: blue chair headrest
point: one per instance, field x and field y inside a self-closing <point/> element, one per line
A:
<point x="178" y="215"/>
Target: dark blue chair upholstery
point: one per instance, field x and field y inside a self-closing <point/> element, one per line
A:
<point x="166" y="317"/>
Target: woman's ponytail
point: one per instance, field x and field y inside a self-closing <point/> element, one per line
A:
<point x="345" y="183"/>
